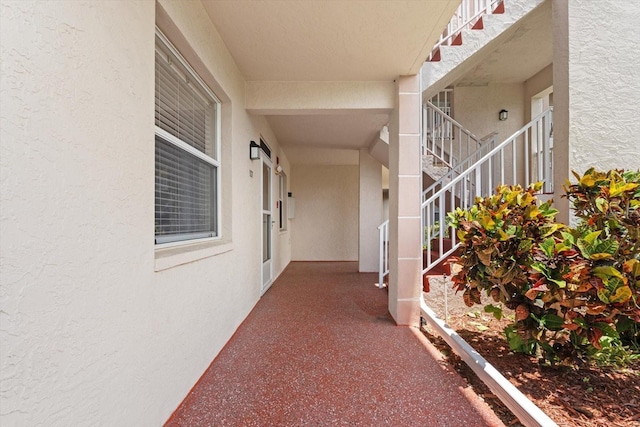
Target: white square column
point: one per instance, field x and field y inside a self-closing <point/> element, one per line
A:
<point x="405" y="242"/>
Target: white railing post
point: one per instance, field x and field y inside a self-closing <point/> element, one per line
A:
<point x="383" y="263"/>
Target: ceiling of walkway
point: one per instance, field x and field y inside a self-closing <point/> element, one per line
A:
<point x="315" y="40"/>
<point x="355" y="40"/>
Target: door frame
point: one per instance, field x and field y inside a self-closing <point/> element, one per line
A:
<point x="266" y="266"/>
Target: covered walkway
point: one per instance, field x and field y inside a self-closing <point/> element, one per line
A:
<point x="320" y="349"/>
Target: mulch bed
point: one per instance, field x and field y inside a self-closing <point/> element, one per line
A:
<point x="587" y="396"/>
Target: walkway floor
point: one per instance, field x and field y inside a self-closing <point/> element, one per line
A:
<point x="320" y="349"/>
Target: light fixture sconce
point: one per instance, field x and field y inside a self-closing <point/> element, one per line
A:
<point x="503" y="115"/>
<point x="278" y="170"/>
<point x="254" y="151"/>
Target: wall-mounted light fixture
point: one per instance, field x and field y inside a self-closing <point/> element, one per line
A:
<point x="503" y="115"/>
<point x="278" y="170"/>
<point x="254" y="151"/>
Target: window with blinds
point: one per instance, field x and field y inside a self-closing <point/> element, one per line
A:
<point x="187" y="150"/>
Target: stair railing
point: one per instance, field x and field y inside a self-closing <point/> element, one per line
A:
<point x="464" y="17"/>
<point x="444" y="138"/>
<point x="383" y="266"/>
<point x="523" y="158"/>
<point x="485" y="144"/>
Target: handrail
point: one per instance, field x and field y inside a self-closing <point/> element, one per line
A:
<point x="485" y="145"/>
<point x="445" y="138"/>
<point x="465" y="16"/>
<point x="383" y="265"/>
<point x="523" y="158"/>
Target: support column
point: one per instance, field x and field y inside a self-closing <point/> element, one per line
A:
<point x="405" y="245"/>
<point x="370" y="208"/>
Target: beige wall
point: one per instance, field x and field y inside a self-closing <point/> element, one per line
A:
<point x="325" y="227"/>
<point x="96" y="327"/>
<point x="537" y="83"/>
<point x="477" y="108"/>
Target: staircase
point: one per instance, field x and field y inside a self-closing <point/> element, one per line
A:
<point x="478" y="27"/>
<point x="523" y="158"/>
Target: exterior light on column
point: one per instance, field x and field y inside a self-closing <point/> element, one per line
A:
<point x="503" y="115"/>
<point x="254" y="151"/>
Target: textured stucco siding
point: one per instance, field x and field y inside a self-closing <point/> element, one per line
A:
<point x="90" y="333"/>
<point x="604" y="84"/>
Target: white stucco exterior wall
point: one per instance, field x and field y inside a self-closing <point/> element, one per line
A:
<point x="325" y="227"/>
<point x="90" y="333"/>
<point x="370" y="207"/>
<point x="596" y="74"/>
<point x="604" y="85"/>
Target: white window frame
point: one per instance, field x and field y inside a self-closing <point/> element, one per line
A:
<point x="214" y="161"/>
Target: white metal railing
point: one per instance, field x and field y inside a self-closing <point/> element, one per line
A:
<point x="523" y="158"/>
<point x="464" y="17"/>
<point x="485" y="145"/>
<point x="383" y="266"/>
<point x="444" y="138"/>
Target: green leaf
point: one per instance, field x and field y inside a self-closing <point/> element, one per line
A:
<point x="548" y="230"/>
<point x="552" y="322"/>
<point x="591" y="237"/>
<point x="607" y="329"/>
<point x="618" y="188"/>
<point x="621" y="295"/>
<point x="496" y="310"/>
<point x="603" y="295"/>
<point x="547" y="246"/>
<point x="604" y="272"/>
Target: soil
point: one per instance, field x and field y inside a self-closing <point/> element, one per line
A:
<point x="585" y="396"/>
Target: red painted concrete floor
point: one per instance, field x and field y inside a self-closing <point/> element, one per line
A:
<point x="320" y="349"/>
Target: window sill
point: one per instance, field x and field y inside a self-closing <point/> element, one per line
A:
<point x="178" y="255"/>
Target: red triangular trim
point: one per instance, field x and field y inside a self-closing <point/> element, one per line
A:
<point x="499" y="8"/>
<point x="436" y="56"/>
<point x="479" y="25"/>
<point x="457" y="40"/>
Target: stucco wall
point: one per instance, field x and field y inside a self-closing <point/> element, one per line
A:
<point x="90" y="333"/>
<point x="604" y="85"/>
<point x="325" y="227"/>
<point x="596" y="89"/>
<point x="477" y="108"/>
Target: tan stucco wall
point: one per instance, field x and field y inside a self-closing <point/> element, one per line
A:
<point x="325" y="227"/>
<point x="90" y="333"/>
<point x="477" y="108"/>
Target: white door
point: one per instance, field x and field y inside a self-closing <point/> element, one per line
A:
<point x="267" y="225"/>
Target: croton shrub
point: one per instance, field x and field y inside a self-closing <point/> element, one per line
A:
<point x="573" y="289"/>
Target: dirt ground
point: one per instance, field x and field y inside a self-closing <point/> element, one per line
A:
<point x="584" y="397"/>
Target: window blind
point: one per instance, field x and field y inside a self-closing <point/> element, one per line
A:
<point x="184" y="206"/>
<point x="185" y="180"/>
